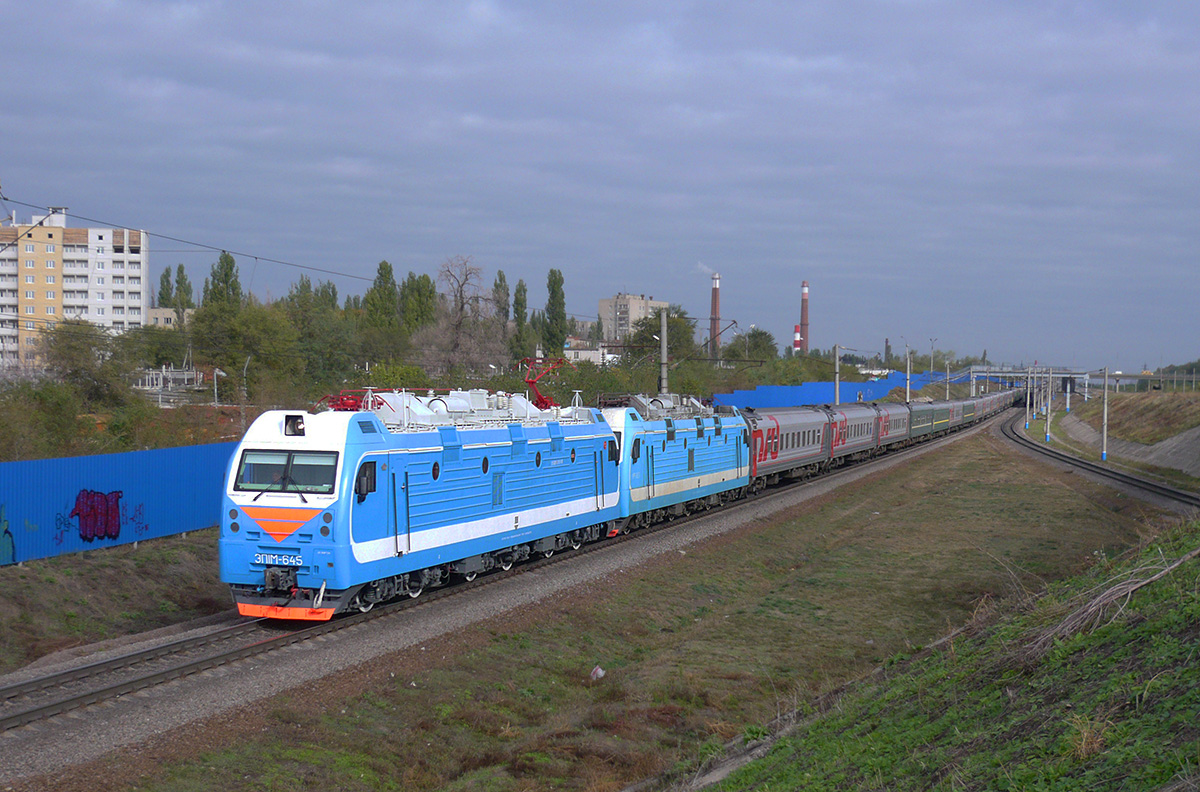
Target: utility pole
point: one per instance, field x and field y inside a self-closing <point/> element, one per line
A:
<point x="932" y="368"/>
<point x="662" y="348"/>
<point x="1104" y="425"/>
<point x="907" y="374"/>
<point x="947" y="379"/>
<point x="837" y="375"/>
<point x="1051" y="394"/>
<point x="1028" y="396"/>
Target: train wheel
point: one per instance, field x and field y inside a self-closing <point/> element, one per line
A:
<point x="576" y="543"/>
<point x="361" y="604"/>
<point x="469" y="576"/>
<point x="547" y="553"/>
<point x="413" y="593"/>
<point x="506" y="562"/>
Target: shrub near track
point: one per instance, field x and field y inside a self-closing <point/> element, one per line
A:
<point x="698" y="647"/>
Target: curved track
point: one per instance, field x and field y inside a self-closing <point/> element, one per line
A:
<point x="46" y="696"/>
<point x="1189" y="500"/>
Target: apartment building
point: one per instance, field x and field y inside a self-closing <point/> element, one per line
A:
<point x="49" y="272"/>
<point x="619" y="314"/>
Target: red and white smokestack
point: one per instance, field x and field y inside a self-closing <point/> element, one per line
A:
<point x="714" y="319"/>
<point x="796" y="340"/>
<point x="804" y="316"/>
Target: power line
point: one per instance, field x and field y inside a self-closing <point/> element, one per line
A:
<point x="181" y="241"/>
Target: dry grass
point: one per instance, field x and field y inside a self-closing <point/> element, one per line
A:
<point x="1146" y="418"/>
<point x="1087" y="735"/>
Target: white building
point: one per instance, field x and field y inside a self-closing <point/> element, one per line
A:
<point x="49" y="272"/>
<point x="619" y="314"/>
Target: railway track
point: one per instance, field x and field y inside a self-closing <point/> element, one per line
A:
<point x="60" y="692"/>
<point x="1189" y="500"/>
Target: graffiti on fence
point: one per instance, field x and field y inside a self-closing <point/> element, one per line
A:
<point x="8" y="545"/>
<point x="99" y="514"/>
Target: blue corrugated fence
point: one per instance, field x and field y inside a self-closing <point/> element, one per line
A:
<point x="50" y="507"/>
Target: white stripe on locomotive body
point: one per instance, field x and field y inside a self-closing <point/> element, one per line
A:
<point x="683" y="485"/>
<point x="496" y="525"/>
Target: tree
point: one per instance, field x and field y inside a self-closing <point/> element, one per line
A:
<point x="519" y="344"/>
<point x="555" y="334"/>
<point x="84" y="356"/>
<point x="681" y="342"/>
<point x="184" y="300"/>
<point x="464" y="337"/>
<point x="418" y="302"/>
<point x="166" y="292"/>
<point x="223" y="287"/>
<point x="381" y="303"/>
<point x="757" y="344"/>
<point x="326" y="296"/>
<point x="500" y="298"/>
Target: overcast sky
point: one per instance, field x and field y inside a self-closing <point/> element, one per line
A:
<point x="1020" y="177"/>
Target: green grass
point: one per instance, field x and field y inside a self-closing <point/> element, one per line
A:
<point x="699" y="648"/>
<point x="1111" y="708"/>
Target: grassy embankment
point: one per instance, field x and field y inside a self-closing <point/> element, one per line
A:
<point x="698" y="648"/>
<point x="1073" y="691"/>
<point x="60" y="603"/>
<point x="1137" y="417"/>
<point x="1146" y="418"/>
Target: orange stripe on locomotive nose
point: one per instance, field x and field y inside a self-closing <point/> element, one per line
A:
<point x="279" y="523"/>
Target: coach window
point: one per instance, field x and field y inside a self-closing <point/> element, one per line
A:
<point x="699" y="427"/>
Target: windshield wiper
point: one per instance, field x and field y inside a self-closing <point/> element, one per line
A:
<point x="283" y="481"/>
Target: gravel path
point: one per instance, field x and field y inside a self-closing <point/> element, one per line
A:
<point x="122" y="725"/>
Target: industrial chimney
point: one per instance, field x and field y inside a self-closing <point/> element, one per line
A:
<point x="714" y="319"/>
<point x="804" y="316"/>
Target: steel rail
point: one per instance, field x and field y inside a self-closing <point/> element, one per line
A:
<point x="1010" y="431"/>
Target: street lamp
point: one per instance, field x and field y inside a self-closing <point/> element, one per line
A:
<point x="216" y="373"/>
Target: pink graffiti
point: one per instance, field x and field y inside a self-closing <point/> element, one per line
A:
<point x="99" y="514"/>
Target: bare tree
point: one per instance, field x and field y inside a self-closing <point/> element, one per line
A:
<point x="464" y="338"/>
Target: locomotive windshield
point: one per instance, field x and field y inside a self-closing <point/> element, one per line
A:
<point x="314" y="472"/>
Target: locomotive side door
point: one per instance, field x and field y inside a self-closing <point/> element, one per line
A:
<point x="398" y="522"/>
<point x="371" y="500"/>
<point x="598" y="467"/>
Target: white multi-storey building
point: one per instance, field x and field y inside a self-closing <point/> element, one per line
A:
<point x="619" y="314"/>
<point x="49" y="272"/>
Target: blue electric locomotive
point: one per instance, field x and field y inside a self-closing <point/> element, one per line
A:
<point x="346" y="508"/>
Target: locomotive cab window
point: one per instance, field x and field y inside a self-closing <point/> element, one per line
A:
<point x="614" y="448"/>
<point x="364" y="482"/>
<point x="636" y="450"/>
<point x="311" y="472"/>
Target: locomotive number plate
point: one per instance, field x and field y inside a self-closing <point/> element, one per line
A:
<point x="273" y="559"/>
